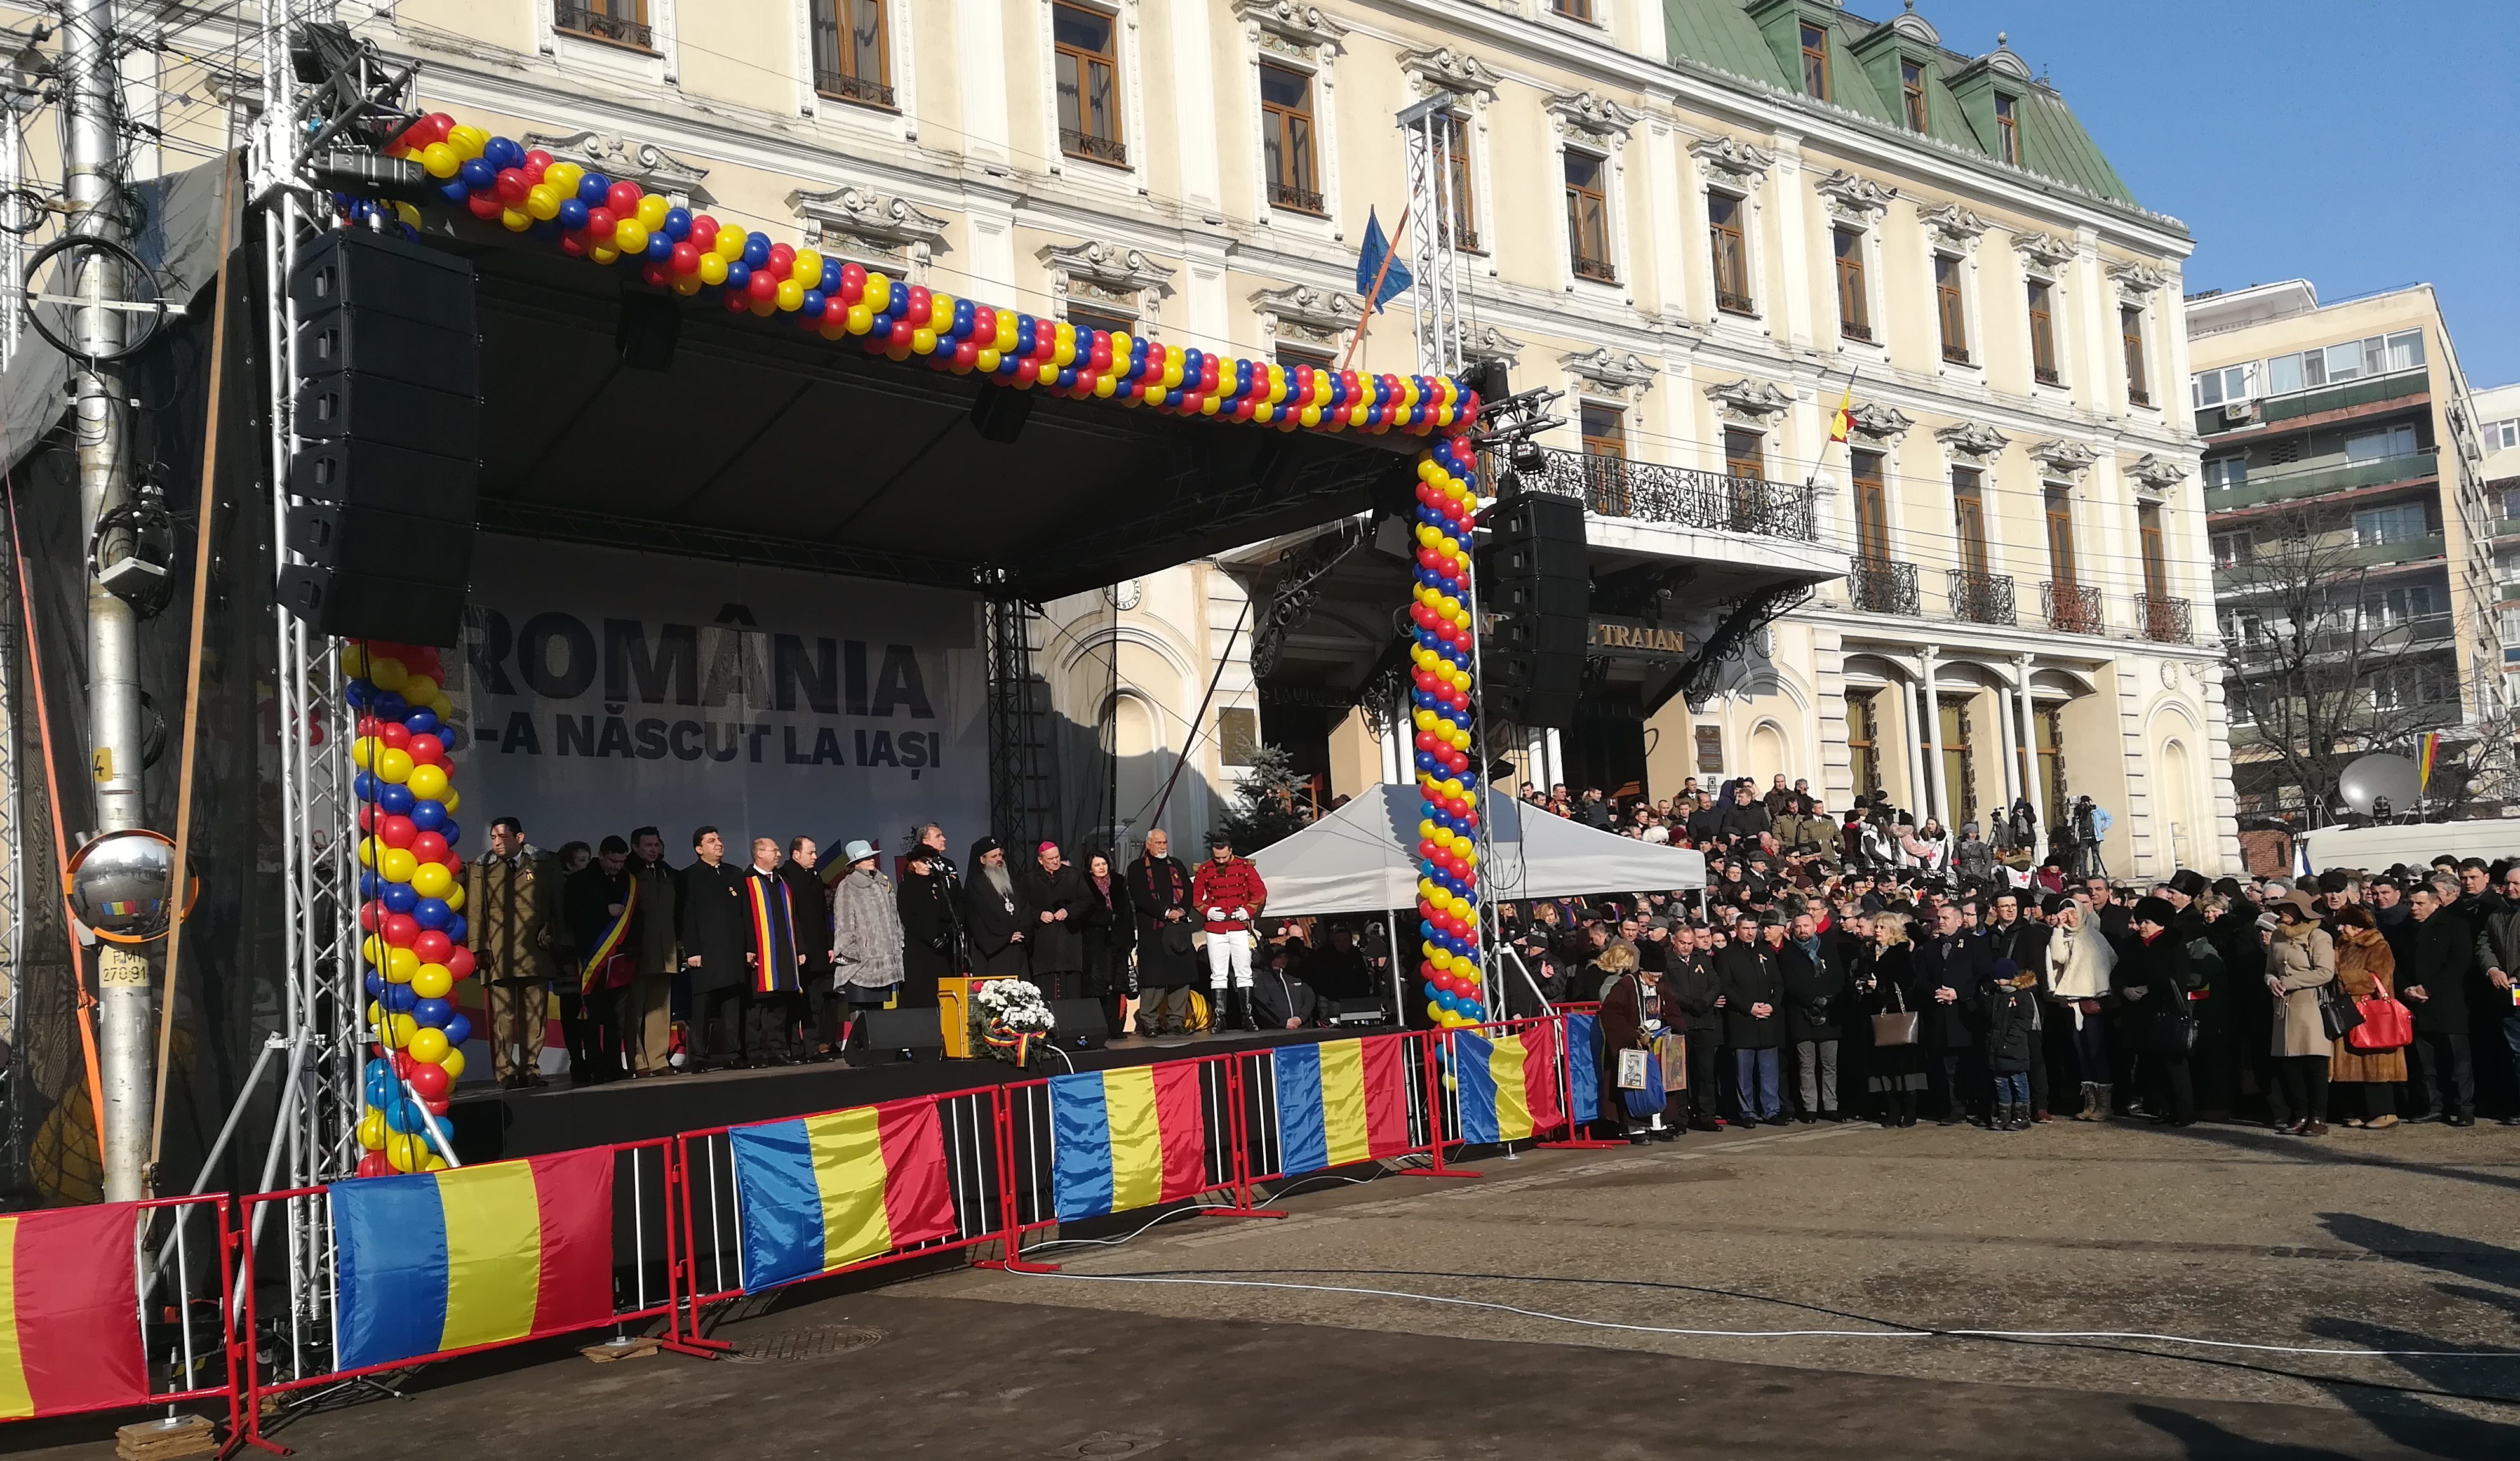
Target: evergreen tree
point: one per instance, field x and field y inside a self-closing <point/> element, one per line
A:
<point x="1273" y="802"/>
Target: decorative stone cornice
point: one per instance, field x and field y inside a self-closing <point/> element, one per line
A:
<point x="1108" y="274"/>
<point x="1953" y="225"/>
<point x="2044" y="251"/>
<point x="1857" y="199"/>
<point x="1732" y="160"/>
<point x="1754" y="402"/>
<point x="882" y="229"/>
<point x="1307" y="314"/>
<point x="623" y="160"/>
<point x="1439" y="69"/>
<point x="1603" y="119"/>
<point x="2138" y="279"/>
<point x="1286" y="26"/>
<point x="1878" y="424"/>
<point x="1607" y="373"/>
<point x="2061" y="457"/>
<point x="1487" y="342"/>
<point x="2155" y="475"/>
<point x="1972" y="439"/>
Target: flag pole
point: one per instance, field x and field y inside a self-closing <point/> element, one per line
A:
<point x="1372" y="296"/>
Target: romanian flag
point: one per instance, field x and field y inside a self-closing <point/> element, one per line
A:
<point x="437" y="1261"/>
<point x="1341" y="1102"/>
<point x="1841" y="422"/>
<point x="1583" y="1068"/>
<point x="2429" y="746"/>
<point x="1125" y="1139"/>
<point x="1509" y="1086"/>
<point x="822" y="1192"/>
<point x="70" y="1311"/>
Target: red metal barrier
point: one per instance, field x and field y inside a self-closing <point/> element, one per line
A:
<point x="1261" y="1147"/>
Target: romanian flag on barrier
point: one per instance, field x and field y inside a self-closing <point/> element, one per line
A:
<point x="69" y="1314"/>
<point x="1509" y="1086"/>
<point x="1125" y="1139"/>
<point x="1583" y="1068"/>
<point x="440" y="1260"/>
<point x="822" y="1192"/>
<point x="1341" y="1102"/>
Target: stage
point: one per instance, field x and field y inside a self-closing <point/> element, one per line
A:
<point x="496" y="1124"/>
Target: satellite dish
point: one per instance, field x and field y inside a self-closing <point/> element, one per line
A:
<point x="2380" y="778"/>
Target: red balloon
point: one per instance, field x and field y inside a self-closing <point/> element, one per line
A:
<point x="396" y="832"/>
<point x="687" y="257"/>
<point x="623" y="200"/>
<point x="428" y="847"/>
<point x="370" y="915"/>
<point x="600" y="222"/>
<point x="426" y="749"/>
<point x="965" y="353"/>
<point x="403" y="1063"/>
<point x="761" y="286"/>
<point x="432" y="945"/>
<point x="658" y="273"/>
<point x="704" y="233"/>
<point x="782" y="257"/>
<point x="573" y="243"/>
<point x="399" y="930"/>
<point x="428" y="1082"/>
<point x="485" y="206"/>
<point x="459" y="962"/>
<point x="436" y="1107"/>
<point x="395" y="734"/>
<point x="375" y="1164"/>
<point x="738" y="301"/>
<point x="513" y="184"/>
<point x="539" y="160"/>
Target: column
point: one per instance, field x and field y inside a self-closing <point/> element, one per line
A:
<point x="1553" y="747"/>
<point x="1917" y="793"/>
<point x="1942" y="807"/>
<point x="2005" y="723"/>
<point x="1399" y="764"/>
<point x="2030" y="743"/>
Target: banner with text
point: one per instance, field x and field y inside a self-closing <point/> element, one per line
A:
<point x="608" y="690"/>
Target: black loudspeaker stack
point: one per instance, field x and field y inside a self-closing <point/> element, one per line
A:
<point x="1535" y="584"/>
<point x="892" y="1033"/>
<point x="1080" y="1024"/>
<point x="389" y="416"/>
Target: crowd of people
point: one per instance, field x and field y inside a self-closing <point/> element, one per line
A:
<point x="1826" y="977"/>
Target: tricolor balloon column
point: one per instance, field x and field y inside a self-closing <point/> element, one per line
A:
<point x="411" y="901"/>
<point x="1448" y="766"/>
<point x="615" y="222"/>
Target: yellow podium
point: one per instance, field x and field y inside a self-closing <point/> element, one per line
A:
<point x="954" y="995"/>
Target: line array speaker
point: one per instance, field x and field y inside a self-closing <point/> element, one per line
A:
<point x="389" y="416"/>
<point x="1536" y="581"/>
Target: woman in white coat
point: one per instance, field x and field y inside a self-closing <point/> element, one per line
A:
<point x="2079" y="961"/>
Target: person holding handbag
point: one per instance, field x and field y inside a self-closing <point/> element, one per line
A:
<point x="1885" y="989"/>
<point x="2369" y="1060"/>
<point x="2301" y="963"/>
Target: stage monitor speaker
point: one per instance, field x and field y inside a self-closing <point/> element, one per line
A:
<point x="388" y="412"/>
<point x="890" y="1031"/>
<point x="1079" y="1023"/>
<point x="1356" y="1012"/>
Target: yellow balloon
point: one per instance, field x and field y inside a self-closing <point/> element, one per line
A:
<point x="431" y="1163"/>
<point x="431" y="881"/>
<point x="440" y="706"/>
<point x="372" y="1129"/>
<point x="419" y="690"/>
<point x="426" y="782"/>
<point x="862" y="319"/>
<point x="363" y="751"/>
<point x="373" y="950"/>
<point x="604" y="253"/>
<point x="453" y="897"/>
<point x="467" y="140"/>
<point x="687" y="284"/>
<point x="404" y="1150"/>
<point x="712" y="268"/>
<point x="792" y="298"/>
<point x="355" y="658"/>
<point x="630" y="236"/>
<point x="807" y="270"/>
<point x="513" y="221"/>
<point x="426" y="1045"/>
<point x="450" y="800"/>
<point x="542" y="200"/>
<point x="376" y="1015"/>
<point x="453" y="1064"/>
<point x="396" y="864"/>
<point x="398" y="1031"/>
<point x="441" y="161"/>
<point x="431" y="981"/>
<point x="367" y="852"/>
<point x="401" y="965"/>
<point x="651" y="211"/>
<point x="730" y="243"/>
<point x="879" y="294"/>
<point x="922" y="340"/>
<point x="391" y="765"/>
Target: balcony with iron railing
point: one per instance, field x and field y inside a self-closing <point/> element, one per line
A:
<point x="602" y="25"/>
<point x="842" y="86"/>
<point x="1982" y="598"/>
<point x="1740" y="304"/>
<point x="1291" y="196"/>
<point x="1092" y="148"/>
<point x="1881" y="586"/>
<point x="1679" y="496"/>
<point x="2070" y="607"/>
<point x="1599" y="270"/>
<point x="2163" y="620"/>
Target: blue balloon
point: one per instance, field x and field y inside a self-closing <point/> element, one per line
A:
<point x="401" y="1115"/>
<point x="756" y="250"/>
<point x="396" y="798"/>
<point x="375" y="984"/>
<point x="379" y="1082"/>
<point x="814" y="303"/>
<point x="428" y="912"/>
<point x="455" y="192"/>
<point x="454" y="736"/>
<point x="500" y="153"/>
<point x="459" y="1028"/>
<point x="452" y="830"/>
<point x="661" y="246"/>
<point x="365" y="786"/>
<point x="1067" y="378"/>
<point x="421" y="722"/>
<point x="455" y="927"/>
<point x="677" y="223"/>
<point x="432" y="1014"/>
<point x="399" y="998"/>
<point x="367" y="885"/>
<point x="426" y="814"/>
<point x="399" y="898"/>
<point x="479" y="175"/>
<point x="573" y="214"/>
<point x="739" y="275"/>
<point x="390" y="705"/>
<point x="356" y="692"/>
<point x="593" y="189"/>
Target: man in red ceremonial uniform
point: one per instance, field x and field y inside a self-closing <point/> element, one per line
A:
<point x="1229" y="892"/>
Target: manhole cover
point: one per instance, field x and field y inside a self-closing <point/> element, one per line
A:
<point x="816" y="1342"/>
<point x="1107" y="1445"/>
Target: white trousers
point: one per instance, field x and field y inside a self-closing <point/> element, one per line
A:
<point x="1229" y="952"/>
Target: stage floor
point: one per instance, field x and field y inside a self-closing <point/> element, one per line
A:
<point x="494" y="1123"/>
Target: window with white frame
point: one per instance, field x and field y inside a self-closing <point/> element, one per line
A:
<point x="2402" y="522"/>
<point x="2371" y="446"/>
<point x="2398" y="604"/>
<point x="1728" y="216"/>
<point x="2230" y="549"/>
<point x="2407" y="686"/>
<point x="2503" y="435"/>
<point x="2346" y="360"/>
<point x="2227" y="471"/>
<point x="2221" y="383"/>
<point x="1086" y="67"/>
<point x="1588" y="217"/>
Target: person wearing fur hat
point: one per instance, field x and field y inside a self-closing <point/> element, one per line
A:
<point x="2300" y="961"/>
<point x="2081" y="962"/>
<point x="2153" y="979"/>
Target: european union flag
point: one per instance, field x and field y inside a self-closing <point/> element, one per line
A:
<point x="1380" y="276"/>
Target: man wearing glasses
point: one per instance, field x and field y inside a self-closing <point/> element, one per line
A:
<point x="2497" y="948"/>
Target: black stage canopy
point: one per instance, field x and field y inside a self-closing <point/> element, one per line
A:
<point x="770" y="444"/>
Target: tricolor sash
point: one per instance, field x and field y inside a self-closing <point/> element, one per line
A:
<point x="591" y="977"/>
<point x="774" y="934"/>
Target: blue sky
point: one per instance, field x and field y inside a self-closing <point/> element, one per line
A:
<point x="2358" y="143"/>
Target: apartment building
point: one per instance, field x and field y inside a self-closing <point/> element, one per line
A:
<point x="2499" y="432"/>
<point x="2352" y="528"/>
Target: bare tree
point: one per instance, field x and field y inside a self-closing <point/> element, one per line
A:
<point x="2316" y="667"/>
